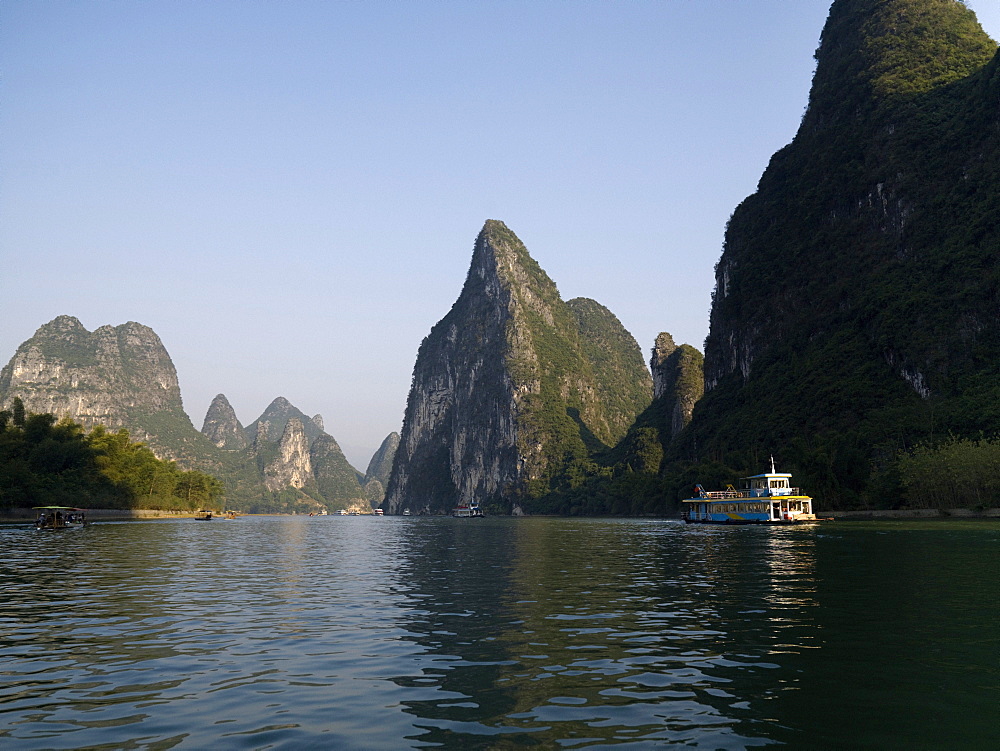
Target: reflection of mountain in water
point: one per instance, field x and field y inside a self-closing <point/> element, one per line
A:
<point x="564" y="629"/>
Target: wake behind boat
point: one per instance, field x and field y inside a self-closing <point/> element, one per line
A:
<point x="767" y="498"/>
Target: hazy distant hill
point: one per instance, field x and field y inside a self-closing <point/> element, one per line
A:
<point x="122" y="377"/>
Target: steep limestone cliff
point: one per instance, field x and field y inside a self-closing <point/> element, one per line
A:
<point x="856" y="307"/>
<point x="116" y="376"/>
<point x="291" y="466"/>
<point x="222" y="427"/>
<point x="678" y="381"/>
<point x="504" y="393"/>
<point x="380" y="466"/>
<point x="276" y="417"/>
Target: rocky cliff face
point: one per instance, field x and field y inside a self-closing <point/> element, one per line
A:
<point x="222" y="427"/>
<point x="678" y="381"/>
<point x="122" y="377"/>
<point x="854" y="312"/>
<point x="292" y="465"/>
<point x="503" y="390"/>
<point x="380" y="466"/>
<point x="303" y="455"/>
<point x="116" y="376"/>
<point x="276" y="417"/>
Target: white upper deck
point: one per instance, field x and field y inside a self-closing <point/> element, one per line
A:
<point x="770" y="484"/>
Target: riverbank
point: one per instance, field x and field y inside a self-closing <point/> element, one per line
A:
<point x="914" y="513"/>
<point x="26" y="515"/>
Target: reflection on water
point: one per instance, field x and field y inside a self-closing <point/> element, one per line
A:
<point x="354" y="632"/>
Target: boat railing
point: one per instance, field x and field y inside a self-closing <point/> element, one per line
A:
<point x="721" y="495"/>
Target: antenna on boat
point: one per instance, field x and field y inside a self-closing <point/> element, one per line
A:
<point x="772" y="464"/>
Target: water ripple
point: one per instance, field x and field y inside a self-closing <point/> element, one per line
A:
<point x="494" y="633"/>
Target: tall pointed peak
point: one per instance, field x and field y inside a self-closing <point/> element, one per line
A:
<point x="501" y="265"/>
<point x="221" y="425"/>
<point x="62" y="324"/>
<point x="279" y="402"/>
<point x="875" y="54"/>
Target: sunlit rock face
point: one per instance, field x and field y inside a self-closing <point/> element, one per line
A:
<point x="292" y="466"/>
<point x="92" y="377"/>
<point x="222" y="427"/>
<point x="276" y="417"/>
<point x="503" y="390"/>
<point x="116" y="376"/>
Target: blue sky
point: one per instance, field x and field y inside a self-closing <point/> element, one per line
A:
<point x="288" y="192"/>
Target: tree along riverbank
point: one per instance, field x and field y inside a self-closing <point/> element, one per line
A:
<point x="24" y="515"/>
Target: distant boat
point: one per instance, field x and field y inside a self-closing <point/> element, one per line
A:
<point x="406" y="512"/>
<point x="60" y="517"/>
<point x="379" y="512"/>
<point x="203" y="515"/>
<point x="465" y="510"/>
<point x="768" y="498"/>
<point x="343" y="512"/>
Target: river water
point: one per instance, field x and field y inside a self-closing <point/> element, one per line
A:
<point x="499" y="633"/>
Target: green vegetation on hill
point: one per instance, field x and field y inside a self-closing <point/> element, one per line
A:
<point x="43" y="462"/>
<point x="855" y="309"/>
<point x="581" y="372"/>
<point x="622" y="380"/>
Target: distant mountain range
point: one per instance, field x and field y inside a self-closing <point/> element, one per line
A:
<point x="122" y="377"/>
<point x="855" y="324"/>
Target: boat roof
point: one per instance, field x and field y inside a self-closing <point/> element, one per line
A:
<point x="59" y="508"/>
<point x="768" y="474"/>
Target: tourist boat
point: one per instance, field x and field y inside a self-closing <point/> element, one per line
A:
<point x="767" y="498"/>
<point x="203" y="515"/>
<point x="467" y="510"/>
<point x="60" y="517"/>
<point x="379" y="512"/>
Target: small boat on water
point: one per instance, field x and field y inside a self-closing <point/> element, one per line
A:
<point x="768" y="498"/>
<point x="379" y="512"/>
<point x="203" y="515"/>
<point x="60" y="517"/>
<point x="465" y="510"/>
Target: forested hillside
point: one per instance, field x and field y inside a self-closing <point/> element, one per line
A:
<point x="44" y="462"/>
<point x="855" y="314"/>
